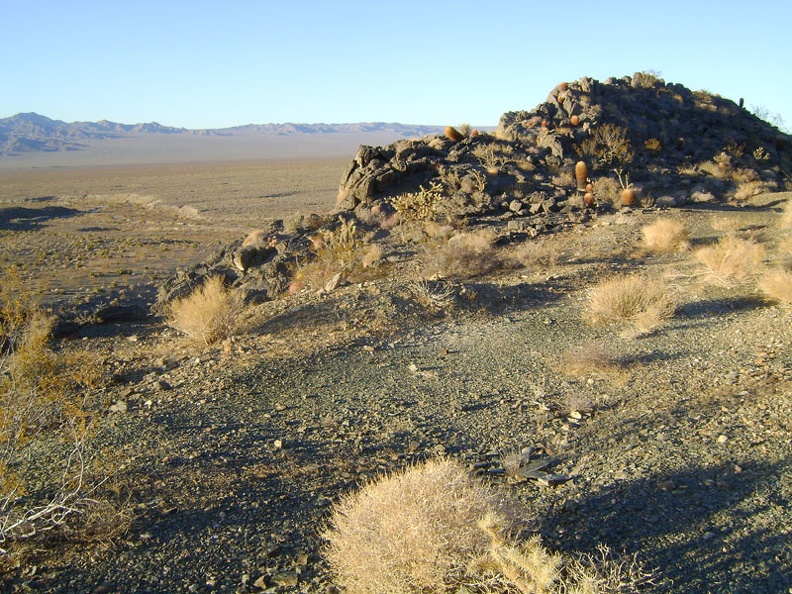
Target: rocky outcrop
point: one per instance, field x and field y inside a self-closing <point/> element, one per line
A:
<point x="670" y="142"/>
<point x="260" y="264"/>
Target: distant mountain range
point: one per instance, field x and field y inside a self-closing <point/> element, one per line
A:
<point x="31" y="132"/>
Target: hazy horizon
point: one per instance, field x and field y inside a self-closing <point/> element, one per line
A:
<point x="199" y="65"/>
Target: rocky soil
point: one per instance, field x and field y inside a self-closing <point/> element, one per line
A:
<point x="672" y="447"/>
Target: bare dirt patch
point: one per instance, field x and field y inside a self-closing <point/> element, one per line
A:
<point x="90" y="232"/>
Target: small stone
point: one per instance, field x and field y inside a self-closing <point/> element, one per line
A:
<point x="286" y="579"/>
<point x="722" y="439"/>
<point x="667" y="485"/>
<point x="163" y="386"/>
<point x="277" y="444"/>
<point x="119" y="407"/>
<point x="261" y="583"/>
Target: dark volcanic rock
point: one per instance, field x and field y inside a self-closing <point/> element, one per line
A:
<point x="664" y="138"/>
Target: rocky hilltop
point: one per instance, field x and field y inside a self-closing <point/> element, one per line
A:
<point x="672" y="144"/>
<point x="31" y="132"/>
<point x="591" y="147"/>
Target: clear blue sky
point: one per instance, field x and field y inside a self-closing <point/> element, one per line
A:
<point x="200" y="64"/>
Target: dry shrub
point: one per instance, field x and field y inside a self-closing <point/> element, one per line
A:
<point x="608" y="190"/>
<point x="46" y="428"/>
<point x="776" y="284"/>
<point x="746" y="189"/>
<point x="589" y="359"/>
<point x="339" y="254"/>
<point x="463" y="255"/>
<point x="665" y="235"/>
<point x="728" y="225"/>
<point x="209" y="314"/>
<point x="410" y="531"/>
<point x="372" y="256"/>
<point x="732" y="261"/>
<point x="537" y="253"/>
<point x="608" y="144"/>
<point x="433" y="295"/>
<point x="786" y="217"/>
<point x="433" y="529"/>
<point x="644" y="301"/>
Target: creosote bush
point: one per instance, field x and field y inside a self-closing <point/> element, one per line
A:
<point x="732" y="261"/>
<point x="665" y="235"/>
<point x="209" y="314"/>
<point x="644" y="301"/>
<point x="433" y="529"/>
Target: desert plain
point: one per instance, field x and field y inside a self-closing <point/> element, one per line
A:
<point x="671" y="447"/>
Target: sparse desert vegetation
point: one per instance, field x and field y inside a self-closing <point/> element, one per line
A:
<point x="432" y="528"/>
<point x="665" y="235"/>
<point x="462" y="379"/>
<point x="209" y="314"/>
<point x="641" y="300"/>
<point x="776" y="284"/>
<point x="732" y="261"/>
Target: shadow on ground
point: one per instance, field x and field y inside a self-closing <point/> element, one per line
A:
<point x="669" y="521"/>
<point x="18" y="218"/>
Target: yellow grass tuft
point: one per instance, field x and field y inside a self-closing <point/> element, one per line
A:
<point x="665" y="235"/>
<point x="732" y="261"/>
<point x="786" y="217"/>
<point x="410" y="531"/>
<point x="211" y="313"/>
<point x="432" y="529"/>
<point x="644" y="301"/>
<point x="776" y="284"/>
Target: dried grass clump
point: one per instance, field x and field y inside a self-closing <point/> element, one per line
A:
<point x="776" y="284"/>
<point x="608" y="190"/>
<point x="644" y="301"/>
<point x="537" y="253"/>
<point x="433" y="295"/>
<point x="209" y="314"/>
<point x="589" y="359"/>
<point x="729" y="225"/>
<point x="433" y="529"/>
<point x="786" y="217"/>
<point x="732" y="261"/>
<point x="372" y="256"/>
<point x="665" y="235"/>
<point x="463" y="255"/>
<point x="410" y="531"/>
<point x="749" y="188"/>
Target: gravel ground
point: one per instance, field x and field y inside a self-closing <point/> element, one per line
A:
<point x="673" y="446"/>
